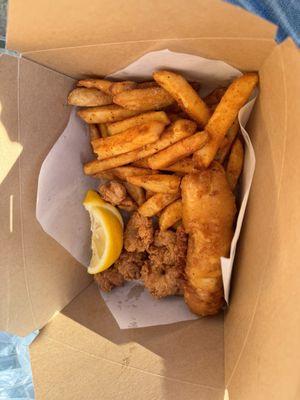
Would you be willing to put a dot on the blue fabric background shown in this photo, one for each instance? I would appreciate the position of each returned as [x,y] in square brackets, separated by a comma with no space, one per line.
[283,13]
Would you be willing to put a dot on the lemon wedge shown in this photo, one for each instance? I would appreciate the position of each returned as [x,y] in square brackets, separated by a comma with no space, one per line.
[93,199]
[107,232]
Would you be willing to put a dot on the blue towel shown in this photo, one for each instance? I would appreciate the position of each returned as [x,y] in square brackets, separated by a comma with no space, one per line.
[15,370]
[283,13]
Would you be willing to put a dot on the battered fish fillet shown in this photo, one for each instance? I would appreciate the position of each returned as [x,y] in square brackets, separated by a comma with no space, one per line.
[208,215]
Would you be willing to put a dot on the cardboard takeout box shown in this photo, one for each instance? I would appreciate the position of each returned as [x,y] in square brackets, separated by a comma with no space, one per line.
[251,353]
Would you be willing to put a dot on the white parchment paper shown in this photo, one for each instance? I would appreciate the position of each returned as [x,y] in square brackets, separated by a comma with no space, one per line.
[62,186]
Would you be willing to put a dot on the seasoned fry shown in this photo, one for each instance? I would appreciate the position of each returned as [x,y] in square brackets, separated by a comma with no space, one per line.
[187,98]
[156,183]
[235,163]
[84,97]
[185,166]
[129,140]
[145,85]
[124,172]
[141,163]
[120,126]
[136,192]
[101,84]
[94,132]
[101,115]
[119,87]
[227,141]
[104,175]
[215,96]
[170,215]
[157,203]
[153,98]
[177,131]
[178,151]
[103,130]
[226,112]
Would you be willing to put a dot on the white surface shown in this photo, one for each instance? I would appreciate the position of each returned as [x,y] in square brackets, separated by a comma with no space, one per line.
[62,186]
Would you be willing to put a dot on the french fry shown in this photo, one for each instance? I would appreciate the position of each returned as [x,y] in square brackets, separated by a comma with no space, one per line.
[236,95]
[103,130]
[94,132]
[235,163]
[156,203]
[104,175]
[177,131]
[149,194]
[156,183]
[227,141]
[119,87]
[153,98]
[185,166]
[141,163]
[170,215]
[215,96]
[187,98]
[129,140]
[180,150]
[101,84]
[120,126]
[103,114]
[145,85]
[136,192]
[124,172]
[180,128]
[88,97]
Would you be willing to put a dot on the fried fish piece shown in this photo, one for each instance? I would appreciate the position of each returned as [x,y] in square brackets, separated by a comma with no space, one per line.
[109,279]
[138,234]
[113,192]
[129,264]
[163,272]
[208,215]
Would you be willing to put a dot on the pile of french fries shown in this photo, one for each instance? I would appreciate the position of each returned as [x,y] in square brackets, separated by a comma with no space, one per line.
[150,134]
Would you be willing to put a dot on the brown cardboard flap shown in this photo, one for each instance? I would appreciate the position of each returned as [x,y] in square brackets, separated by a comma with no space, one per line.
[262,326]
[100,60]
[36,25]
[179,361]
[38,277]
